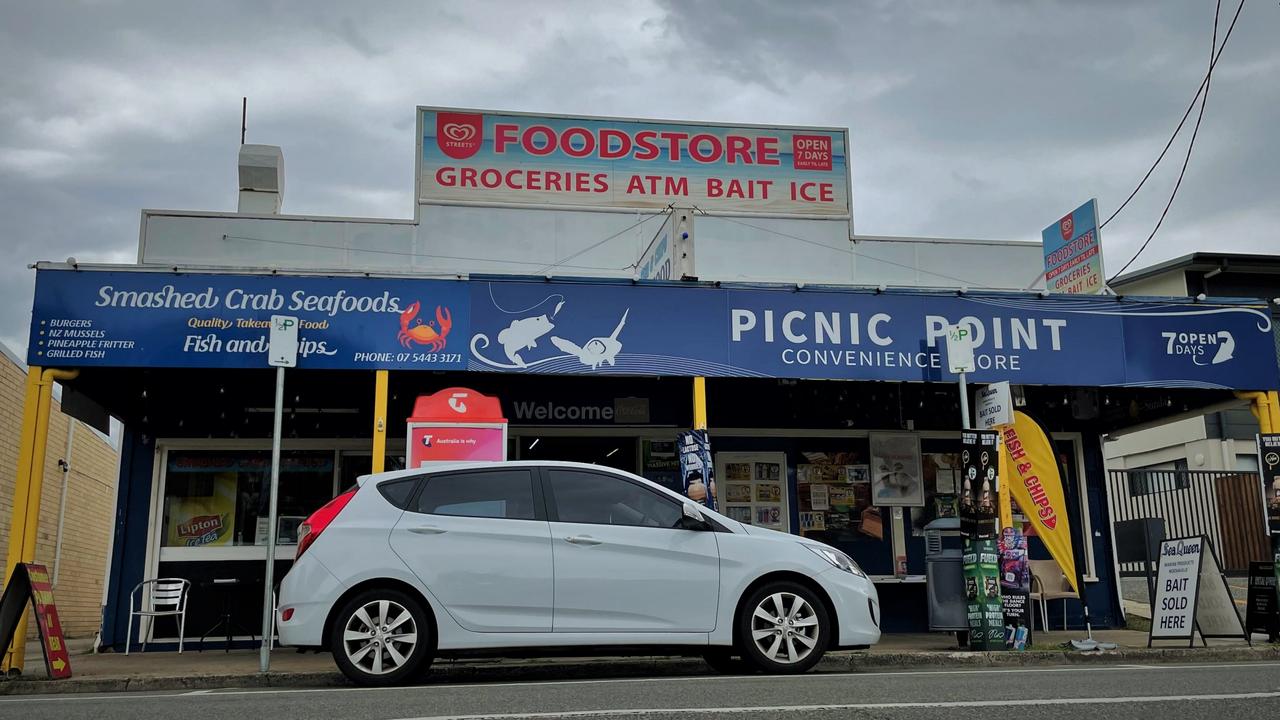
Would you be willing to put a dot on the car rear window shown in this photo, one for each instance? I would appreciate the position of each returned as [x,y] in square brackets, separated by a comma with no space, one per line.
[398,492]
[492,494]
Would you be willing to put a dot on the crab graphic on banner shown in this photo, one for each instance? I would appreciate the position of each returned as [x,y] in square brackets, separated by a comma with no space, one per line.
[434,334]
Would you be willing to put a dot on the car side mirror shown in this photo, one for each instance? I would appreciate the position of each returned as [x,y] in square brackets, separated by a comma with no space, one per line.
[692,518]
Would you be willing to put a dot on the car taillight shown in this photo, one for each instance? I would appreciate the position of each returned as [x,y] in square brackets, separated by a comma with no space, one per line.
[315,524]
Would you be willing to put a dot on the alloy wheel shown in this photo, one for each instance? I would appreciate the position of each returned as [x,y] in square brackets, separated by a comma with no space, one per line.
[380,637]
[784,627]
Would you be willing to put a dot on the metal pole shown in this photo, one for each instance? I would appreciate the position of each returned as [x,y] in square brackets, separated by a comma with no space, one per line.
[62,501]
[964,403]
[268,609]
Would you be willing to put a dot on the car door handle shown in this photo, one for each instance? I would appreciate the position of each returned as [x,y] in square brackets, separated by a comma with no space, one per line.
[427,530]
[582,540]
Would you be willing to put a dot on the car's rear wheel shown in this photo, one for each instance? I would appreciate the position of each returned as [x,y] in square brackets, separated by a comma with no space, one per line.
[784,628]
[382,637]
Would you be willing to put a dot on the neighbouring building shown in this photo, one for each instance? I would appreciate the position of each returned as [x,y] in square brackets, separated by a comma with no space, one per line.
[1224,438]
[74,539]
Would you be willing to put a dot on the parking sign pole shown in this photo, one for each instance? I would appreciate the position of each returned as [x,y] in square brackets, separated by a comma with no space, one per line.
[268,594]
[281,353]
[964,403]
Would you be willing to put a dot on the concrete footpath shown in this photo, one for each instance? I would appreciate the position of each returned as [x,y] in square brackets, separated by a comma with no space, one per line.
[192,670]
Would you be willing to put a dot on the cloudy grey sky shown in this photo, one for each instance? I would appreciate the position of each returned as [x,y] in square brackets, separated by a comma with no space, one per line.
[972,119]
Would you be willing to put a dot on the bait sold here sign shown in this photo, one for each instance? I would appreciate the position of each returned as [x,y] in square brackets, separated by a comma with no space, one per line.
[493,158]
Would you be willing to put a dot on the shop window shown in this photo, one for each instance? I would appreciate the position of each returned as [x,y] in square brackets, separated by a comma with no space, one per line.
[218,498]
[495,494]
[1166,477]
[584,497]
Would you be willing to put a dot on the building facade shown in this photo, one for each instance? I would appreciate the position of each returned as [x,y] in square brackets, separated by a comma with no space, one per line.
[588,308]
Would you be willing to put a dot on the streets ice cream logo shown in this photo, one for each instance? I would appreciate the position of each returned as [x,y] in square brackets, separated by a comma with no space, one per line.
[459,135]
[202,530]
[432,333]
[522,335]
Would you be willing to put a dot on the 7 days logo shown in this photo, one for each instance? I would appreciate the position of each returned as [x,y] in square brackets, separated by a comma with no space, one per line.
[1197,346]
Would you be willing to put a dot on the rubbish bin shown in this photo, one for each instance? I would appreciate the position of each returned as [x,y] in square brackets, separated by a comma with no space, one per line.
[944,578]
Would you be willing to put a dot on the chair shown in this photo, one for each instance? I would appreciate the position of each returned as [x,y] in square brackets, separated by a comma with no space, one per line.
[160,597]
[1048,583]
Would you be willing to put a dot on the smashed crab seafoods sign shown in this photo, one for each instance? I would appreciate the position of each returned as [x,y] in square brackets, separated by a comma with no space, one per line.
[498,158]
[181,320]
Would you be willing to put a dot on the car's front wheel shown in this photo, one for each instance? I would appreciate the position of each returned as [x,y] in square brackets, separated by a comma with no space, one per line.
[784,628]
[381,637]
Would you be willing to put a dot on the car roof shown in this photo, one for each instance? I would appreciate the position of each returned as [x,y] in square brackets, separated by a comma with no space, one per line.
[495,464]
[486,464]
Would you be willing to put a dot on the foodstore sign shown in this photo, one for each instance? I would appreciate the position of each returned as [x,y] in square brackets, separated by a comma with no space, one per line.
[490,158]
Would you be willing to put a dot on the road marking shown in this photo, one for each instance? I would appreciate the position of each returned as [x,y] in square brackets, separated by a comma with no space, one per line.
[775,709]
[126,695]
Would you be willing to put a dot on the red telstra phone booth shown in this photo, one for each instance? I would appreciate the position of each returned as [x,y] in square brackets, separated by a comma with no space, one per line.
[456,424]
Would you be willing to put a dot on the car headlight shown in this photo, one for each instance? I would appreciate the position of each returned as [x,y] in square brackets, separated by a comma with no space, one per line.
[836,558]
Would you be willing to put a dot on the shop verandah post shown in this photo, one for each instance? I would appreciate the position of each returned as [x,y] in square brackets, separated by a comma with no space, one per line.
[28,487]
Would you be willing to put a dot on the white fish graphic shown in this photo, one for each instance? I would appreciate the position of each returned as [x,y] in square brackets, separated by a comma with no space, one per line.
[597,350]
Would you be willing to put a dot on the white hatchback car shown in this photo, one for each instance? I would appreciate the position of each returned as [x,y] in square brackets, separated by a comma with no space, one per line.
[528,556]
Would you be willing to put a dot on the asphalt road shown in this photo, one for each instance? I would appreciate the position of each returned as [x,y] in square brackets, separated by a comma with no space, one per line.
[1220,692]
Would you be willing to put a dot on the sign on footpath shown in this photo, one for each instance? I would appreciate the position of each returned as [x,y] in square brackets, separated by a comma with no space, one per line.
[1262,613]
[31,582]
[1192,595]
[995,406]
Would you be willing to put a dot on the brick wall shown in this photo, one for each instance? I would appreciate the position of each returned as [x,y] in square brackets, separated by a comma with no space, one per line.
[91,484]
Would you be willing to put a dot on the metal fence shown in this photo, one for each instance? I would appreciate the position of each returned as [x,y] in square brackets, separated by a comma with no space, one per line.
[1150,505]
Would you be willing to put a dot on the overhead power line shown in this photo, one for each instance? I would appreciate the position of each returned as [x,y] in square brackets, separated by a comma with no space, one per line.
[1214,53]
[1204,83]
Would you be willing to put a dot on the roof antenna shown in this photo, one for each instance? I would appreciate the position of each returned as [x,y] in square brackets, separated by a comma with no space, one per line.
[244,111]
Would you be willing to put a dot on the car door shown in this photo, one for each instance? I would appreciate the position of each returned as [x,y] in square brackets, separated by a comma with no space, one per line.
[621,564]
[479,540]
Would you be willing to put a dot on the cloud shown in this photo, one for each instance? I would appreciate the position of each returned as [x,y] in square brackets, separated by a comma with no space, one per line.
[982,119]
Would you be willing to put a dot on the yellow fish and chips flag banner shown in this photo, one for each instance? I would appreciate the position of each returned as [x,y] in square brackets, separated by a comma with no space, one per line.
[1036,485]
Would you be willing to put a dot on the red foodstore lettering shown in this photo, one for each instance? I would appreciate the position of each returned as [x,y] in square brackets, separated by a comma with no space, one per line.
[614,144]
[1070,248]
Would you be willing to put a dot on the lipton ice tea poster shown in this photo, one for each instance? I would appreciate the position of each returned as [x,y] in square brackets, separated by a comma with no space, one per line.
[200,521]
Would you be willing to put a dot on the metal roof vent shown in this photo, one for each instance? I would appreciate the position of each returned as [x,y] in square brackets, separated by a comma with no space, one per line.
[261,169]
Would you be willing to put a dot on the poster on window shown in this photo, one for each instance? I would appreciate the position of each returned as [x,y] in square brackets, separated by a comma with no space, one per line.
[754,488]
[696,471]
[896,478]
[661,463]
[203,520]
